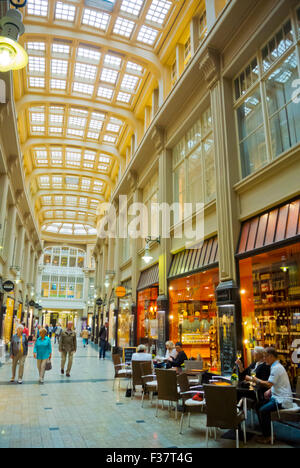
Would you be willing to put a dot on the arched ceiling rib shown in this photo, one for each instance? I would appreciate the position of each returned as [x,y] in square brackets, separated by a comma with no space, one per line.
[77,98]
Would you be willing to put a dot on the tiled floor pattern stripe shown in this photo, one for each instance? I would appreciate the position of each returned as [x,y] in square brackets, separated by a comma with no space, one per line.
[84,412]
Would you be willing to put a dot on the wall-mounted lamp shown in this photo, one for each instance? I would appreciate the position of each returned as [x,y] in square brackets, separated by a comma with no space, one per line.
[12,54]
[147,257]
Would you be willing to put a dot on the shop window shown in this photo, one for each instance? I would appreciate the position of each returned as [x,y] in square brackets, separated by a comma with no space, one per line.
[79,291]
[53,291]
[64,261]
[47,259]
[80,262]
[125,324]
[270,296]
[193,316]
[72,262]
[147,331]
[62,290]
[45,289]
[56,260]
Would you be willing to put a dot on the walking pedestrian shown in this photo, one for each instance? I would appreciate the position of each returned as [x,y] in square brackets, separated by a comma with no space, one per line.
[67,347]
[58,333]
[103,337]
[18,353]
[85,337]
[25,330]
[42,352]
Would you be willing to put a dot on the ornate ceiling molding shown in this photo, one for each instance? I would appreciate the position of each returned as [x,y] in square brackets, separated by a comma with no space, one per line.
[209,66]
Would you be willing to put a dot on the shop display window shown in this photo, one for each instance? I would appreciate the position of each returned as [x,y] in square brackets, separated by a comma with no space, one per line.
[270,296]
[193,316]
[125,324]
[147,324]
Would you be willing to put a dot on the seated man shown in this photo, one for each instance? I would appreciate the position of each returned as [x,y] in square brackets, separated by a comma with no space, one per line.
[262,372]
[278,395]
[141,354]
[180,358]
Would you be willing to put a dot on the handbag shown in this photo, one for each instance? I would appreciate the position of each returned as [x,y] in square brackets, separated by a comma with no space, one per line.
[128,392]
[48,365]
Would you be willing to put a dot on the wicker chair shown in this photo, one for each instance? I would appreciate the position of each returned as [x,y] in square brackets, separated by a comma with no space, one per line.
[121,370]
[223,411]
[148,379]
[167,388]
[186,393]
[136,377]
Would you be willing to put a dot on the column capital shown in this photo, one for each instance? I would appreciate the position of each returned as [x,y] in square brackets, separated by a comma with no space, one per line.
[132,179]
[158,137]
[209,66]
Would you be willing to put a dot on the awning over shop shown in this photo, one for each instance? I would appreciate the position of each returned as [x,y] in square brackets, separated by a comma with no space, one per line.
[274,227]
[192,260]
[148,277]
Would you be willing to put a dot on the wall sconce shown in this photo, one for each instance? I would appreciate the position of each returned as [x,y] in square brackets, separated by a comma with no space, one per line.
[147,257]
[12,55]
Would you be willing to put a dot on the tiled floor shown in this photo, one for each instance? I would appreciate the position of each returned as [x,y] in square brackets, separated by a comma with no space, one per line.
[83,411]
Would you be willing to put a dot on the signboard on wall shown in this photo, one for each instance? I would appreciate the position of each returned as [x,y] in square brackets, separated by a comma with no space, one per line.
[8,319]
[161,333]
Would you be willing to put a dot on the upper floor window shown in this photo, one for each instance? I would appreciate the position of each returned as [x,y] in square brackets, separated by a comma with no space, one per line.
[194,179]
[64,257]
[268,118]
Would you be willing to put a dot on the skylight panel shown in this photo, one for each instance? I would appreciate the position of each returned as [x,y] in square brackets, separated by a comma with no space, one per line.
[147,35]
[112,128]
[105,93]
[134,67]
[89,155]
[63,49]
[132,7]
[96,124]
[109,139]
[108,75]
[56,109]
[98,186]
[55,130]
[158,11]
[54,118]
[59,67]
[37,7]
[78,112]
[58,200]
[98,116]
[123,27]
[92,231]
[41,154]
[88,53]
[71,200]
[112,60]
[46,199]
[95,19]
[115,121]
[85,71]
[44,182]
[65,11]
[49,214]
[77,122]
[37,117]
[83,88]
[57,181]
[35,82]
[74,132]
[59,214]
[83,201]
[104,159]
[58,84]
[38,129]
[129,82]
[36,64]
[88,165]
[56,157]
[93,135]
[124,97]
[102,168]
[36,46]
[85,184]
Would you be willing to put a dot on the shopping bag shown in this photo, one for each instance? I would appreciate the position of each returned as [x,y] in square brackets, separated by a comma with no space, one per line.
[48,365]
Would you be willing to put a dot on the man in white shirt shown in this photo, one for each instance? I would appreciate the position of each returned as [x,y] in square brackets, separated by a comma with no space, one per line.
[279,393]
[141,354]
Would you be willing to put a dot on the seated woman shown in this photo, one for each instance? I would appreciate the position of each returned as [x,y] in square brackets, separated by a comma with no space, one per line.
[180,358]
[141,354]
[259,366]
[170,350]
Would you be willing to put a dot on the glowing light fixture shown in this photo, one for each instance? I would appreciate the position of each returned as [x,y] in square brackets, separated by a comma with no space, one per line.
[12,54]
[147,257]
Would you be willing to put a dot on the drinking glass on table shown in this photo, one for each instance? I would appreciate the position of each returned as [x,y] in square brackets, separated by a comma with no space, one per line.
[253,374]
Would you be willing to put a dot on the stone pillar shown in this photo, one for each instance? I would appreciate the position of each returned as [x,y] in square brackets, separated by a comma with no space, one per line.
[10,237]
[228,226]
[20,247]
[213,9]
[3,205]
[194,34]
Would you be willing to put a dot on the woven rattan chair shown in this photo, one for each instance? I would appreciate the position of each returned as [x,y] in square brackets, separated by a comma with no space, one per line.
[167,388]
[121,370]
[136,377]
[223,411]
[189,405]
[148,379]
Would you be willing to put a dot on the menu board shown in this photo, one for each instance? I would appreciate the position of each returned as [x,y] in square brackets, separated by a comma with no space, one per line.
[161,341]
[227,339]
[127,354]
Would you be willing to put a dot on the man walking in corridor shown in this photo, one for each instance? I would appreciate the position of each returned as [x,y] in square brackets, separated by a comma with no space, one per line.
[67,347]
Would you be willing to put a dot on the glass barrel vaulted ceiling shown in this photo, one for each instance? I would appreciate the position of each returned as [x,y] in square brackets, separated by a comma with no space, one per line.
[91,63]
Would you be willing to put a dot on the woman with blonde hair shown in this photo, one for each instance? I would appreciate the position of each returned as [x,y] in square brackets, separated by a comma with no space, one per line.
[170,350]
[42,352]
